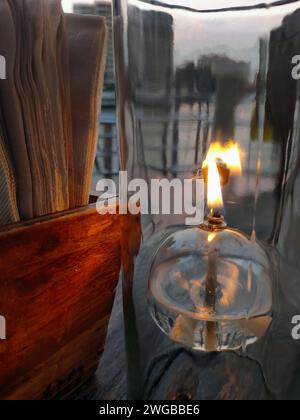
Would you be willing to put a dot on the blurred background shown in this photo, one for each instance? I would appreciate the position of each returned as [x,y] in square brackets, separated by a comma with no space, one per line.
[180,81]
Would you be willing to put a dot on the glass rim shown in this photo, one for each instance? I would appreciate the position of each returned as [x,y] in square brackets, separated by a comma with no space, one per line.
[213,6]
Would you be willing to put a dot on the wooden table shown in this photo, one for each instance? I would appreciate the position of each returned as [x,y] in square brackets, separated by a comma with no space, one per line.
[220,377]
[215,376]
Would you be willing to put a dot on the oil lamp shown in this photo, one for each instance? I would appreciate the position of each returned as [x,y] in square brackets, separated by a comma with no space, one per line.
[191,73]
[210,286]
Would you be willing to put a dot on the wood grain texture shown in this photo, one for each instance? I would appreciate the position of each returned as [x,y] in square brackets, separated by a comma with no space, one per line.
[58,278]
[110,380]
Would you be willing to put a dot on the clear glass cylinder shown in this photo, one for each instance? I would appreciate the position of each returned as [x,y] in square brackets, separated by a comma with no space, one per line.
[192,74]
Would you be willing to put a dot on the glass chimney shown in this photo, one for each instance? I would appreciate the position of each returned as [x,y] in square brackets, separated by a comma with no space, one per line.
[208,98]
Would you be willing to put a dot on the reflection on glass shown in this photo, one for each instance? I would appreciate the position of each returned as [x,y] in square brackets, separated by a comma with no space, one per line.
[190,74]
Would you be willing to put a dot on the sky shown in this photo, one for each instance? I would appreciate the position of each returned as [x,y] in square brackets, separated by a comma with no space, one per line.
[217,33]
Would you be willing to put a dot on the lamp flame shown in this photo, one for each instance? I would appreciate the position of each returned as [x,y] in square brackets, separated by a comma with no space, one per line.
[229,153]
[214,191]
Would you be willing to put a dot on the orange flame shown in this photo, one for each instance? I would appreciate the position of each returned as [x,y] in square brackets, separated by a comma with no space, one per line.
[229,153]
[214,191]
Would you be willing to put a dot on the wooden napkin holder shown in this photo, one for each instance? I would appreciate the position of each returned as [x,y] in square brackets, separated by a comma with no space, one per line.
[58,277]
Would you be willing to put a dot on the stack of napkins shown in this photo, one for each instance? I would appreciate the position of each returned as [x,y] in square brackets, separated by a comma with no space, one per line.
[50,104]
[8,208]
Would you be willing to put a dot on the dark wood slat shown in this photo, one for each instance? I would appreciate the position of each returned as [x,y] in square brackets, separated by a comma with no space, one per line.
[58,277]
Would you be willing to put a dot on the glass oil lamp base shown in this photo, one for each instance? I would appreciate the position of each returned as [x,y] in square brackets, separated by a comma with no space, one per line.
[210,290]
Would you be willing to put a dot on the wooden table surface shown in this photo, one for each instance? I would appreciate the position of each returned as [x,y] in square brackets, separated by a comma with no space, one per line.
[215,376]
[220,375]
[211,376]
